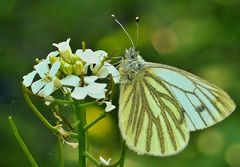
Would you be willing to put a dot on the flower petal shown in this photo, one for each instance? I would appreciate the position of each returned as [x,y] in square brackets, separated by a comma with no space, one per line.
[112,70]
[54,69]
[42,68]
[97,95]
[90,79]
[96,87]
[96,90]
[28,79]
[109,106]
[55,53]
[95,68]
[79,93]
[87,56]
[71,80]
[101,53]
[63,46]
[48,88]
[37,85]
[102,72]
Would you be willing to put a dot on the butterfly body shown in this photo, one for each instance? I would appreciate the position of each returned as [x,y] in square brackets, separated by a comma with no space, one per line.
[131,66]
[159,105]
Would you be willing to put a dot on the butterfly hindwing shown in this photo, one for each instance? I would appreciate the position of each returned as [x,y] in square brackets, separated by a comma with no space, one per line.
[150,118]
[203,104]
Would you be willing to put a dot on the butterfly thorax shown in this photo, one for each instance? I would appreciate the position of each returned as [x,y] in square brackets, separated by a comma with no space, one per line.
[131,65]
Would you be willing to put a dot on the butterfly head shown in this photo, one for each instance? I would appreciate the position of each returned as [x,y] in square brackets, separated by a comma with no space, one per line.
[131,54]
[131,65]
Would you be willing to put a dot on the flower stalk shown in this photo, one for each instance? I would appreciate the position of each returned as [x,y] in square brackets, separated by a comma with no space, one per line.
[60,151]
[82,138]
[35,110]
[21,142]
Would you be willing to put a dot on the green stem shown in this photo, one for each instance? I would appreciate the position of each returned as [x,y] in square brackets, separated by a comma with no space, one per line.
[60,151]
[35,110]
[122,159]
[82,139]
[93,159]
[101,116]
[88,104]
[62,102]
[21,142]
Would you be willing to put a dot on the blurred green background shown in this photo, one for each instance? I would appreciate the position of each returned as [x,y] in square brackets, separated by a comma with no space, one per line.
[202,37]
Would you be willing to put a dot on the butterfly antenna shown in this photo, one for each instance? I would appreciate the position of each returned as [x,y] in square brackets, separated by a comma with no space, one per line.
[115,18]
[137,21]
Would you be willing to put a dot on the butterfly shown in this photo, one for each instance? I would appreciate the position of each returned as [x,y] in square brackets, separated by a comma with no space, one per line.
[160,105]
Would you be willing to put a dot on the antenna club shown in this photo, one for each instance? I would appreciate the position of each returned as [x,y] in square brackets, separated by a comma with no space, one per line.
[137,19]
[113,16]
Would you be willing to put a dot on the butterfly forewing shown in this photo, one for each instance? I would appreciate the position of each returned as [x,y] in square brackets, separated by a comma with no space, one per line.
[150,118]
[203,104]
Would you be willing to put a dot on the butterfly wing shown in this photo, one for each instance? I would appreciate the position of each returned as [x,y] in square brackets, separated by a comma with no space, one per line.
[150,118]
[203,104]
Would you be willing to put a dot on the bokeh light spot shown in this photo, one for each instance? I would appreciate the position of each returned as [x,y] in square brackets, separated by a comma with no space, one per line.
[164,40]
[233,155]
[210,142]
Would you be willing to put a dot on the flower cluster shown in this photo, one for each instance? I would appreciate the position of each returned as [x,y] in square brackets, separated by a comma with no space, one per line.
[78,73]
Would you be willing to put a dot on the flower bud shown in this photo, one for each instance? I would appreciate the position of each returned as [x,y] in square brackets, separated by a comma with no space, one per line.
[66,56]
[67,69]
[37,60]
[78,68]
[57,83]
[53,59]
[62,64]
[59,74]
[74,59]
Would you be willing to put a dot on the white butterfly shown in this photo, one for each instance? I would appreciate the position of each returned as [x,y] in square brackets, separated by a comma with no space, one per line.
[160,105]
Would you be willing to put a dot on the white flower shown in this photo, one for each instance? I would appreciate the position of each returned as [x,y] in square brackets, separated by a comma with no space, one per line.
[28,79]
[109,106]
[46,83]
[63,46]
[91,88]
[91,57]
[107,69]
[105,162]
[65,50]
[94,59]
